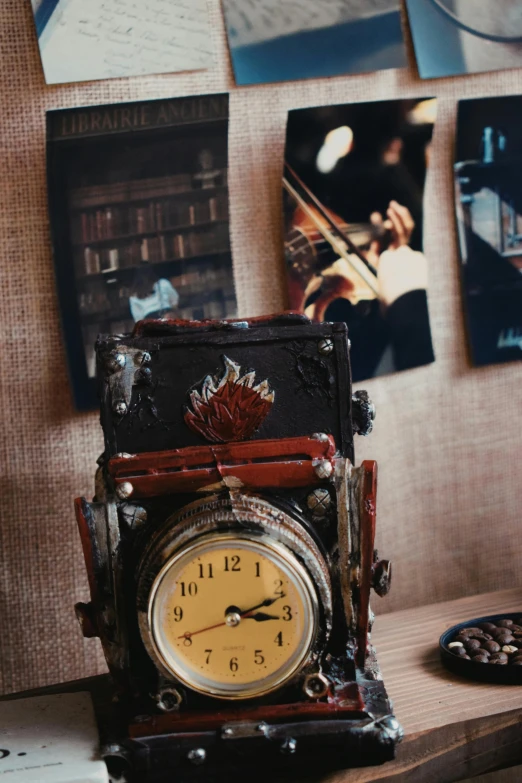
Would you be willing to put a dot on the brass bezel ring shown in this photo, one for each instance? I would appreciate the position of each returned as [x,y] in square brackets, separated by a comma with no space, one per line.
[258,522]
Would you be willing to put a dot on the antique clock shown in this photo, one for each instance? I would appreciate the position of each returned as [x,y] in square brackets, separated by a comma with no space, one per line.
[230,552]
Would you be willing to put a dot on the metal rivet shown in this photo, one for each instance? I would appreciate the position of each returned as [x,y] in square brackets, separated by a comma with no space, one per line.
[289,745]
[197,755]
[316,686]
[391,723]
[228,732]
[124,490]
[323,469]
[141,718]
[319,502]
[325,346]
[120,408]
[115,361]
[322,437]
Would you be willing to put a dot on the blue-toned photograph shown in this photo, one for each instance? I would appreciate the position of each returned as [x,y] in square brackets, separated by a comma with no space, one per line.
[284,40]
[453,37]
[488,193]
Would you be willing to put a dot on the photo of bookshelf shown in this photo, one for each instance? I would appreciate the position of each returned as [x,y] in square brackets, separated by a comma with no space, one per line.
[140,219]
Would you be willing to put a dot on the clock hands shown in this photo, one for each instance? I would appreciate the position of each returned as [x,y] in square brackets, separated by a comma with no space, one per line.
[266,602]
[235,615]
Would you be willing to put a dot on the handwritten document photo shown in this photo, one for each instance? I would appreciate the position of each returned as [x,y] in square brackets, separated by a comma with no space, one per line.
[104,39]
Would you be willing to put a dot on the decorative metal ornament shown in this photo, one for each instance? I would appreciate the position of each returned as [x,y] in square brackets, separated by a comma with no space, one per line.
[229,408]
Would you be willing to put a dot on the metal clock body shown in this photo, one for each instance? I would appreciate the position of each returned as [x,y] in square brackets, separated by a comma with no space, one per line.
[230,552]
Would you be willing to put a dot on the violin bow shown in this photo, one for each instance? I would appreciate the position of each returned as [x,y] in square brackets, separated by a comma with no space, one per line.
[334,235]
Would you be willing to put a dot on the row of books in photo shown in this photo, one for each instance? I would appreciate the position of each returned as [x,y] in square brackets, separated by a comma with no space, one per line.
[112,222]
[164,247]
[147,188]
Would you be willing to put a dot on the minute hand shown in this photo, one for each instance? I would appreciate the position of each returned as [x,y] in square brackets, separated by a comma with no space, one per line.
[266,602]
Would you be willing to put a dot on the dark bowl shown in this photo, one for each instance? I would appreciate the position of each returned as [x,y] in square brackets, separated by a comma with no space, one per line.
[485,672]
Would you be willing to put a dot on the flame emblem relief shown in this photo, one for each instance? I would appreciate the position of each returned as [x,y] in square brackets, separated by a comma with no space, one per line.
[229,408]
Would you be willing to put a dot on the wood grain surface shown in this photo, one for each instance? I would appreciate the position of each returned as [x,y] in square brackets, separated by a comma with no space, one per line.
[454,728]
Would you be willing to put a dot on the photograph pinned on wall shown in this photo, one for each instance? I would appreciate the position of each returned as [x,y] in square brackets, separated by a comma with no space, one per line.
[353,187]
[83,40]
[138,197]
[284,40]
[453,37]
[488,199]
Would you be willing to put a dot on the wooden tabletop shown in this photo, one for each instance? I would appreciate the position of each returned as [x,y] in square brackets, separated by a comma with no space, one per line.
[454,728]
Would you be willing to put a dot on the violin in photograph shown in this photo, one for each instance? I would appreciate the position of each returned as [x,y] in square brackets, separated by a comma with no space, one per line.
[230,553]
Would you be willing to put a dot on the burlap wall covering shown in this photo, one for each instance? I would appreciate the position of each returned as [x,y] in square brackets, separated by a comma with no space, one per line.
[448,437]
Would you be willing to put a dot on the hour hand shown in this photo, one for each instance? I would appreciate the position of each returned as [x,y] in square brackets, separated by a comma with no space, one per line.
[260,617]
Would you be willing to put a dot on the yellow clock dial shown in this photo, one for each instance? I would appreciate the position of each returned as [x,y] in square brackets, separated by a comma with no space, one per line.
[233,617]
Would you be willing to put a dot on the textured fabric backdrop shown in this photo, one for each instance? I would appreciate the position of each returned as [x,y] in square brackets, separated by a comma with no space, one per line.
[447,436]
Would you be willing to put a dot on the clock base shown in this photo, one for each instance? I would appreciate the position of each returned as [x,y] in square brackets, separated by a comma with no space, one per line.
[355,729]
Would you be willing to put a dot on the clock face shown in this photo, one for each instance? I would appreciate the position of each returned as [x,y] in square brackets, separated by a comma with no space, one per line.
[233,616]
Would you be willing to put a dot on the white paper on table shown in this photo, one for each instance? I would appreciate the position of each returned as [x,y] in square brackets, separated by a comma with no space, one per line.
[50,739]
[257,21]
[86,40]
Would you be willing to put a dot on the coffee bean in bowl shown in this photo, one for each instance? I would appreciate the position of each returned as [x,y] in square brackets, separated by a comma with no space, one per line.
[486,648]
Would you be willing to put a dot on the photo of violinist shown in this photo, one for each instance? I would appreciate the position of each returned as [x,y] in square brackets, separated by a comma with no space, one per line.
[353,187]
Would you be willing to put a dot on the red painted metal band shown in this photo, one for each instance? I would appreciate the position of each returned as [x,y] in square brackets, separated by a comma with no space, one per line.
[367,518]
[289,462]
[352,703]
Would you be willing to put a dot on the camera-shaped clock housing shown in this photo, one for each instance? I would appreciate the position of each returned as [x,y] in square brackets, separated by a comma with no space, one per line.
[230,548]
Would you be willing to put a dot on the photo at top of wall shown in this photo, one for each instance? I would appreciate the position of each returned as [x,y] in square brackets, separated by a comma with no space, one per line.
[283,40]
[84,40]
[453,37]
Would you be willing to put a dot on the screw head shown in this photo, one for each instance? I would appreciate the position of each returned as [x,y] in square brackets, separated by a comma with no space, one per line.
[319,502]
[289,745]
[197,755]
[120,408]
[325,346]
[228,731]
[323,469]
[168,700]
[146,357]
[124,490]
[316,686]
